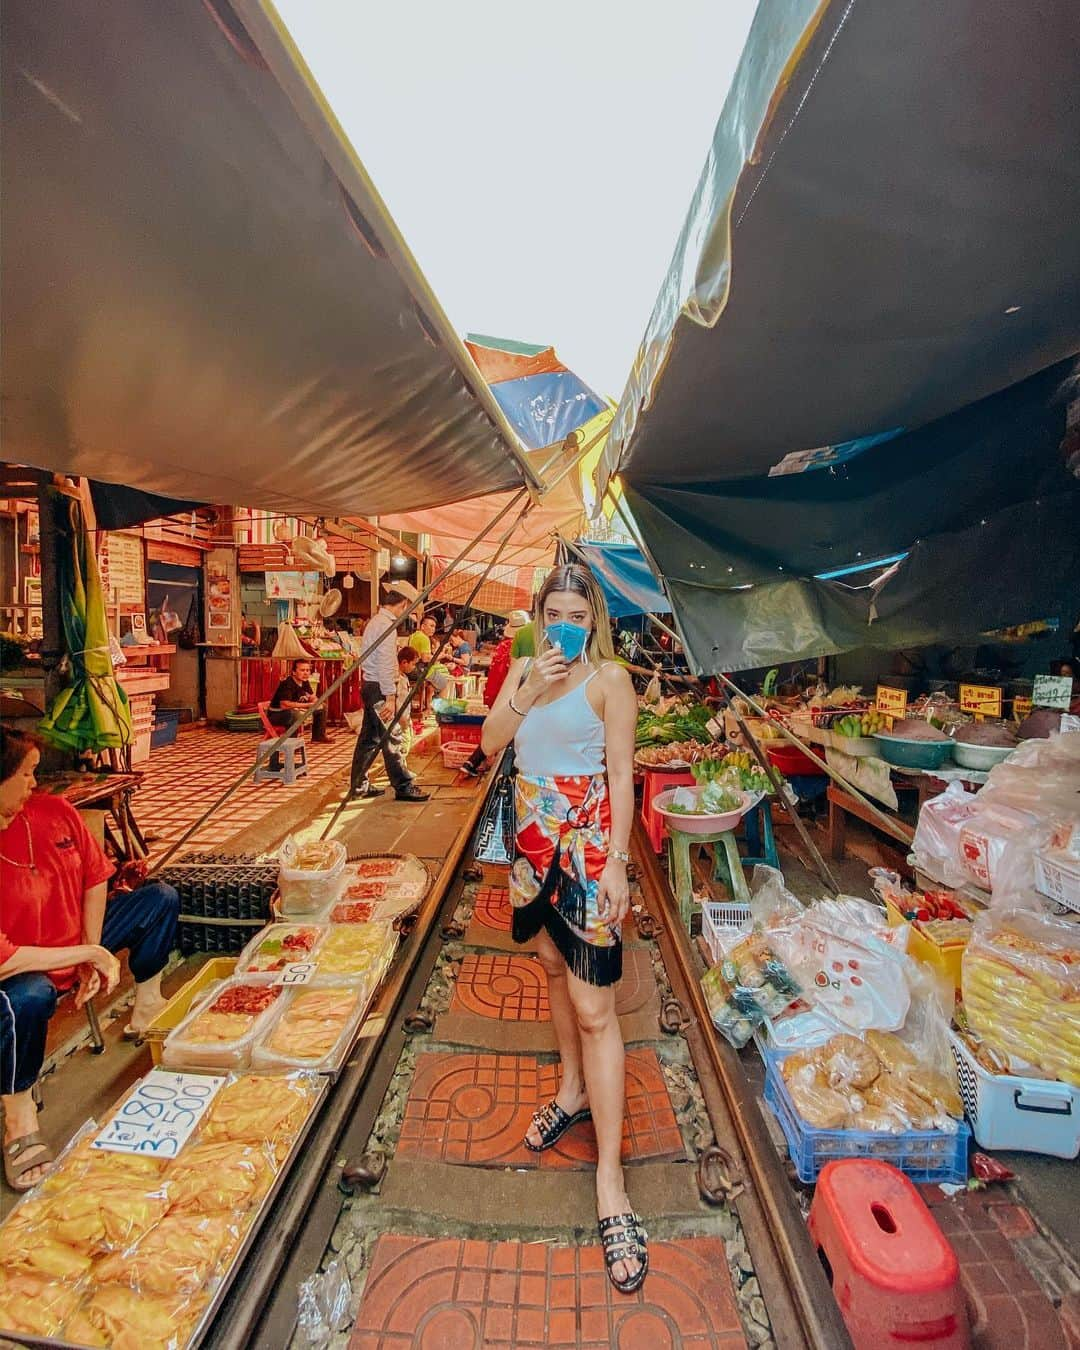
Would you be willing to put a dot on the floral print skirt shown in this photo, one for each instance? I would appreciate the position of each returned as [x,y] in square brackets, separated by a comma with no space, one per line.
[563,825]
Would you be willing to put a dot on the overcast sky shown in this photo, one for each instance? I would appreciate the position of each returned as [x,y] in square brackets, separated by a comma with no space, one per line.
[538,159]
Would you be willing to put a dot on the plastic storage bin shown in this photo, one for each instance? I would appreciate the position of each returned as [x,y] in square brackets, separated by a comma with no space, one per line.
[178,1007]
[1007,1111]
[266,1057]
[457,753]
[183,1049]
[947,959]
[460,732]
[922,1155]
[276,933]
[719,915]
[1057,875]
[789,760]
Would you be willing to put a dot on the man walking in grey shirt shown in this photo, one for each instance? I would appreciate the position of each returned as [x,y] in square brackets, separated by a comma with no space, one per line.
[380,672]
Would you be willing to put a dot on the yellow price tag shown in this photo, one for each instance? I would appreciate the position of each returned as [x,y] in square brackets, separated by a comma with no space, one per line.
[891,702]
[1021,708]
[984,700]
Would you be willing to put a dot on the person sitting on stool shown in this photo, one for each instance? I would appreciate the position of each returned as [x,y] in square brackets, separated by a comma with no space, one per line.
[57,932]
[293,694]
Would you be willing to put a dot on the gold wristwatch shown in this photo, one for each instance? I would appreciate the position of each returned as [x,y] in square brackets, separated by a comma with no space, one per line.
[619,854]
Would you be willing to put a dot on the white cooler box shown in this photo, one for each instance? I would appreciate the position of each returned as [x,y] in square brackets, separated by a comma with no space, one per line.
[1030,1115]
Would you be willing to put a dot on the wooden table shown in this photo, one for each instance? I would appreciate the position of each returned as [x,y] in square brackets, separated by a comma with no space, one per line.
[111,792]
[842,804]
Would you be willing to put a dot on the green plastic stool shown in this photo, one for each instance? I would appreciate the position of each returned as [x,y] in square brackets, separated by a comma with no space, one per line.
[679,844]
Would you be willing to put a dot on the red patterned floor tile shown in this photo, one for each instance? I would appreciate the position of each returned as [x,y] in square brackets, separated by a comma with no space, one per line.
[686,1302]
[514,988]
[510,988]
[474,1109]
[492,908]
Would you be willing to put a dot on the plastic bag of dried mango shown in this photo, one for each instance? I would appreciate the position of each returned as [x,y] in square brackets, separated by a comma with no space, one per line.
[1020,983]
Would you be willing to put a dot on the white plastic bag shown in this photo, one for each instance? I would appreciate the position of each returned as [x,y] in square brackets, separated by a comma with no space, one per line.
[936,847]
[842,954]
[305,889]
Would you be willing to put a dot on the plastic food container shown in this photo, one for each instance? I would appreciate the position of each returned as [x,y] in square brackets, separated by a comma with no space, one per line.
[1007,1111]
[904,753]
[923,1155]
[184,1050]
[306,891]
[355,953]
[297,1003]
[259,961]
[946,958]
[178,1007]
[981,757]
[694,824]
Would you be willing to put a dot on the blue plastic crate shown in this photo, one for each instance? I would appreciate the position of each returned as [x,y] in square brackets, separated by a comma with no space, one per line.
[460,719]
[922,1155]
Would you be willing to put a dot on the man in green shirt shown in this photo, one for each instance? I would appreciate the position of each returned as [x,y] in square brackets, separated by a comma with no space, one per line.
[420,641]
[524,642]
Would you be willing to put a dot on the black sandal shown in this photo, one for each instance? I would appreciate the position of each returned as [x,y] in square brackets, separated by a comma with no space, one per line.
[624,1239]
[553,1122]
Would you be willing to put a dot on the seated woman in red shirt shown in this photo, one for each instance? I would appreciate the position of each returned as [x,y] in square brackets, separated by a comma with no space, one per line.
[57,933]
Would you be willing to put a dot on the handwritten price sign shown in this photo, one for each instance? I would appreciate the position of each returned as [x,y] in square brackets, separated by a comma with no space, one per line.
[984,700]
[891,702]
[1021,708]
[160,1114]
[297,972]
[1053,691]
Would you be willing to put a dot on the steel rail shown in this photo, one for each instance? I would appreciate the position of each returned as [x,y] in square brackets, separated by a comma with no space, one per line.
[259,1296]
[794,1287]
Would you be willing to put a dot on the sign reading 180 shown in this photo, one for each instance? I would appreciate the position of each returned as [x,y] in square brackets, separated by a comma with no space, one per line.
[159,1113]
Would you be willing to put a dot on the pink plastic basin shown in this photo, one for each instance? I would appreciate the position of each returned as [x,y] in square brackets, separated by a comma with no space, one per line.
[678,820]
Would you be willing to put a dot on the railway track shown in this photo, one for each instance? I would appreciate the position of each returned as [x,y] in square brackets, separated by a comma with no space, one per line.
[739,1175]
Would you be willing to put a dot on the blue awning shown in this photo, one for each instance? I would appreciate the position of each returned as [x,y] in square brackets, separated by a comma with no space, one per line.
[626,579]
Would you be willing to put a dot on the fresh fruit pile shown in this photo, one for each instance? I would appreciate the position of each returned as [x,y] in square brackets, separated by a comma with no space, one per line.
[737,769]
[861,724]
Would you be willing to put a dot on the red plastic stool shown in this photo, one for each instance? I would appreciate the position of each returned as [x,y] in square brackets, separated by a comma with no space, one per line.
[894,1275]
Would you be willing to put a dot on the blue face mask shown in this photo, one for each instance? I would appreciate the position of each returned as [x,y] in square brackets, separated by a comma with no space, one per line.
[570,637]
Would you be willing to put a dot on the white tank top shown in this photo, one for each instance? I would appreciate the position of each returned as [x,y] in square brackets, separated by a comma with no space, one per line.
[564,739]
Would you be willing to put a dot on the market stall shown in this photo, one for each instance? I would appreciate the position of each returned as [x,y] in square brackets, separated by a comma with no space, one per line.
[139,1231]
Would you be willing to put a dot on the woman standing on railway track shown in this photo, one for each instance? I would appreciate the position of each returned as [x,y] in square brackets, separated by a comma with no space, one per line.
[571,713]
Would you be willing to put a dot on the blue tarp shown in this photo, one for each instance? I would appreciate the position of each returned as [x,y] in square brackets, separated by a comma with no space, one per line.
[626,578]
[545,409]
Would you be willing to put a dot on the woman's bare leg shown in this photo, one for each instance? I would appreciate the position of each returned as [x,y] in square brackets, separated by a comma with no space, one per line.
[571,1095]
[604,1061]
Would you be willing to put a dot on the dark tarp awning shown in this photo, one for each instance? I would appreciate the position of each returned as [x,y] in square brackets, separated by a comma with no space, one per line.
[203,295]
[881,265]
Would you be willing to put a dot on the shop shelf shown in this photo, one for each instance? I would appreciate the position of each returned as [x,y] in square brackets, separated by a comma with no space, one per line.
[1007,1111]
[923,1155]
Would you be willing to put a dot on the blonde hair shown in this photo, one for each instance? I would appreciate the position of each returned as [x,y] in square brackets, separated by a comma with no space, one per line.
[579,579]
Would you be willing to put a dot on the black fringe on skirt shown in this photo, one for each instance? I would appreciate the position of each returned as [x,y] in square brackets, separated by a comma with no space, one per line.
[600,966]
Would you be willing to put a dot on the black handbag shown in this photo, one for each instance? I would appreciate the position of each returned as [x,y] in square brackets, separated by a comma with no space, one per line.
[493,842]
